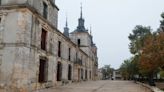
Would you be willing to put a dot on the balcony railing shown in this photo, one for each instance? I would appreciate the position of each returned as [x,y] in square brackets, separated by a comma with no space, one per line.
[78,61]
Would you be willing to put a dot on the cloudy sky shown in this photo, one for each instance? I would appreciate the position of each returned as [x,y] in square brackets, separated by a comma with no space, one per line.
[111,21]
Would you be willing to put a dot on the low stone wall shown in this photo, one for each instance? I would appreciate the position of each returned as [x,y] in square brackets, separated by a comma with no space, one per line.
[154,89]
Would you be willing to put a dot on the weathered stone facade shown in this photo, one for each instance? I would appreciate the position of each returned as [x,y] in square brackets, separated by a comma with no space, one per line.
[34,54]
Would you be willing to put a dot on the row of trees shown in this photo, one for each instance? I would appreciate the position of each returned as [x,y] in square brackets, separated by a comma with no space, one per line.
[147,48]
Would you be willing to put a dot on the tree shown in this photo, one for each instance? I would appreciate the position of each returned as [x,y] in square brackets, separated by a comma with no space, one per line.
[107,71]
[124,69]
[137,38]
[148,51]
[129,68]
[152,57]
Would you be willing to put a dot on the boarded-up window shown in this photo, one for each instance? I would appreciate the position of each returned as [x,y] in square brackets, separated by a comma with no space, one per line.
[43,39]
[43,71]
[45,10]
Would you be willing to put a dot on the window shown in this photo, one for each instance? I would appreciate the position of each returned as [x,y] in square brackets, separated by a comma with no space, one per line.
[43,71]
[76,56]
[43,39]
[86,74]
[90,75]
[45,10]
[82,74]
[59,49]
[1,19]
[78,42]
[69,54]
[0,2]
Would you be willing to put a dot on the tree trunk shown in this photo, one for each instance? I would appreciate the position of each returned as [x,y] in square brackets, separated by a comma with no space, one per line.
[151,80]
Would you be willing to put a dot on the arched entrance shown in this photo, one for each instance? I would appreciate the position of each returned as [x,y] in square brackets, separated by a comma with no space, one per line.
[69,72]
[59,71]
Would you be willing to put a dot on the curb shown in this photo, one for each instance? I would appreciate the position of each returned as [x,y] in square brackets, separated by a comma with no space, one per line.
[154,89]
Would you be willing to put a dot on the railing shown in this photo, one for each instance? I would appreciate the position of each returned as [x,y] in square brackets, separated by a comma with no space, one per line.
[78,61]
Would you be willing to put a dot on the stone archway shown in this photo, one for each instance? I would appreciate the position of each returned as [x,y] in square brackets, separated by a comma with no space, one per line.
[59,71]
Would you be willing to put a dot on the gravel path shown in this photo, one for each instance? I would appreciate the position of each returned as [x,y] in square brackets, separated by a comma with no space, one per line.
[100,86]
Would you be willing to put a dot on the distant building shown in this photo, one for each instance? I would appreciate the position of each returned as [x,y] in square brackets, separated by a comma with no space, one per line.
[116,75]
[34,54]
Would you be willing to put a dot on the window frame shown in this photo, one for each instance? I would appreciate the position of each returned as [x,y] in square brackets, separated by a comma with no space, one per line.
[59,48]
[43,70]
[44,39]
[78,42]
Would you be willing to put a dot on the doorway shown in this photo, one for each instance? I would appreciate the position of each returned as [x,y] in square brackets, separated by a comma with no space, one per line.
[43,71]
[59,71]
[69,72]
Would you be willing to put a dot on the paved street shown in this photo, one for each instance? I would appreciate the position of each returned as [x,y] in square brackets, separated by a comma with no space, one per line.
[100,86]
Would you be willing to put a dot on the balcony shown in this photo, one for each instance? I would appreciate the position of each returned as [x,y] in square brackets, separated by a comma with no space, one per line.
[78,61]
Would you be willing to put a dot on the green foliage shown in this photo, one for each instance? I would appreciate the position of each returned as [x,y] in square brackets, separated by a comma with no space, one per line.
[162,74]
[148,50]
[129,68]
[137,38]
[107,71]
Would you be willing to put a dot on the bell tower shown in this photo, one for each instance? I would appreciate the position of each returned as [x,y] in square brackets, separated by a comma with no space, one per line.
[80,35]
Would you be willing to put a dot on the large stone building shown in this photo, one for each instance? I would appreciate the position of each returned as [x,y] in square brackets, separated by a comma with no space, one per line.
[34,54]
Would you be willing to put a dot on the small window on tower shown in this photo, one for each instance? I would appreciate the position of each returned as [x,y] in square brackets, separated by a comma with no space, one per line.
[78,42]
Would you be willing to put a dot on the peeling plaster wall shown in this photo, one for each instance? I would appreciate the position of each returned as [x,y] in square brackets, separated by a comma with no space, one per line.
[20,49]
[20,52]
[38,5]
[52,11]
